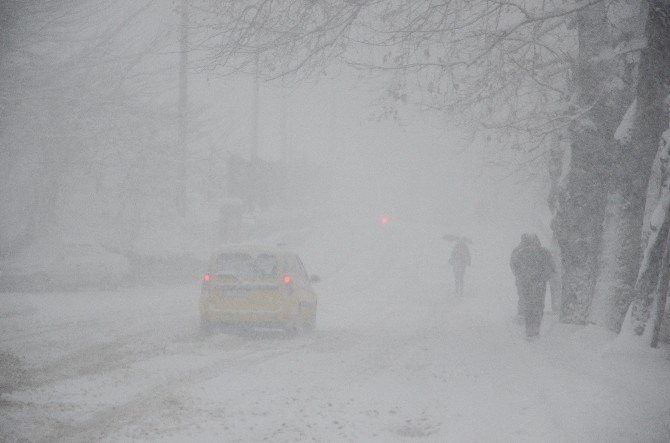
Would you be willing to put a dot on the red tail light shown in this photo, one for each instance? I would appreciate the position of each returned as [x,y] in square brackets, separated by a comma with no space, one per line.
[207,278]
[385,220]
[288,287]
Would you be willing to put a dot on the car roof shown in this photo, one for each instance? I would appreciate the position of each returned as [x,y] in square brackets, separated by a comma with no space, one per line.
[253,249]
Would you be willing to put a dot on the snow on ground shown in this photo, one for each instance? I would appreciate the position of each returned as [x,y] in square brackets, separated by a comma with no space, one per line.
[396,356]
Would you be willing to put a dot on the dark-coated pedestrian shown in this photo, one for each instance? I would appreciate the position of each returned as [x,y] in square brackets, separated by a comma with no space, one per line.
[532,266]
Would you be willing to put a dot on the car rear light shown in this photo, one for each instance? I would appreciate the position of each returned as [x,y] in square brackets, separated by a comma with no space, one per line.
[385,220]
[288,287]
[205,283]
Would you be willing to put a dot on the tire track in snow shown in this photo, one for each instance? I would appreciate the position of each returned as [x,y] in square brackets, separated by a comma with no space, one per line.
[114,418]
[40,331]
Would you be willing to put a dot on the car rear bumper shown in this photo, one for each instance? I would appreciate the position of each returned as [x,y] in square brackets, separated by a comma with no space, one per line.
[281,317]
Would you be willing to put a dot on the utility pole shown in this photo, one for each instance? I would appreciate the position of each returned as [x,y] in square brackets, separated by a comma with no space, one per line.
[254,135]
[334,135]
[283,153]
[182,112]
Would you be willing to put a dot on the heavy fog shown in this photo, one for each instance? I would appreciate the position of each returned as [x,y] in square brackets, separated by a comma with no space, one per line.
[334,220]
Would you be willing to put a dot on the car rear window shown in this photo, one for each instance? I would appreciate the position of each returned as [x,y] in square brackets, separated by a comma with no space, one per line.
[248,267]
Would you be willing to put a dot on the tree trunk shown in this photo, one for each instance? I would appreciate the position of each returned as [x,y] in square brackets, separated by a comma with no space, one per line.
[618,264]
[661,294]
[581,202]
[652,282]
[620,249]
[651,119]
[577,226]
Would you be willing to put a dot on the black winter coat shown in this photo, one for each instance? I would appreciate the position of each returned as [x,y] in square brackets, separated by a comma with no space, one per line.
[531,263]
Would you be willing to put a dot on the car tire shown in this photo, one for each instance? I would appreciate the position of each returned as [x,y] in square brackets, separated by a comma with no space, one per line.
[297,327]
[310,326]
[206,327]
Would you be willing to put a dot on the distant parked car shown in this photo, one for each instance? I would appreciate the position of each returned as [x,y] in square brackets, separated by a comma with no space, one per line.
[257,286]
[63,266]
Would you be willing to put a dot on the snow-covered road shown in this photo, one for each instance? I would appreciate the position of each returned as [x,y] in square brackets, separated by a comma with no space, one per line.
[396,356]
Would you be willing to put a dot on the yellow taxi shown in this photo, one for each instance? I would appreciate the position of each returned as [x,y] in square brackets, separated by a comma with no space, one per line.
[257,286]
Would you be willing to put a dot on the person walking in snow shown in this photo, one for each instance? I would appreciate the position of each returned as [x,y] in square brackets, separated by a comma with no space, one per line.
[459,260]
[532,266]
